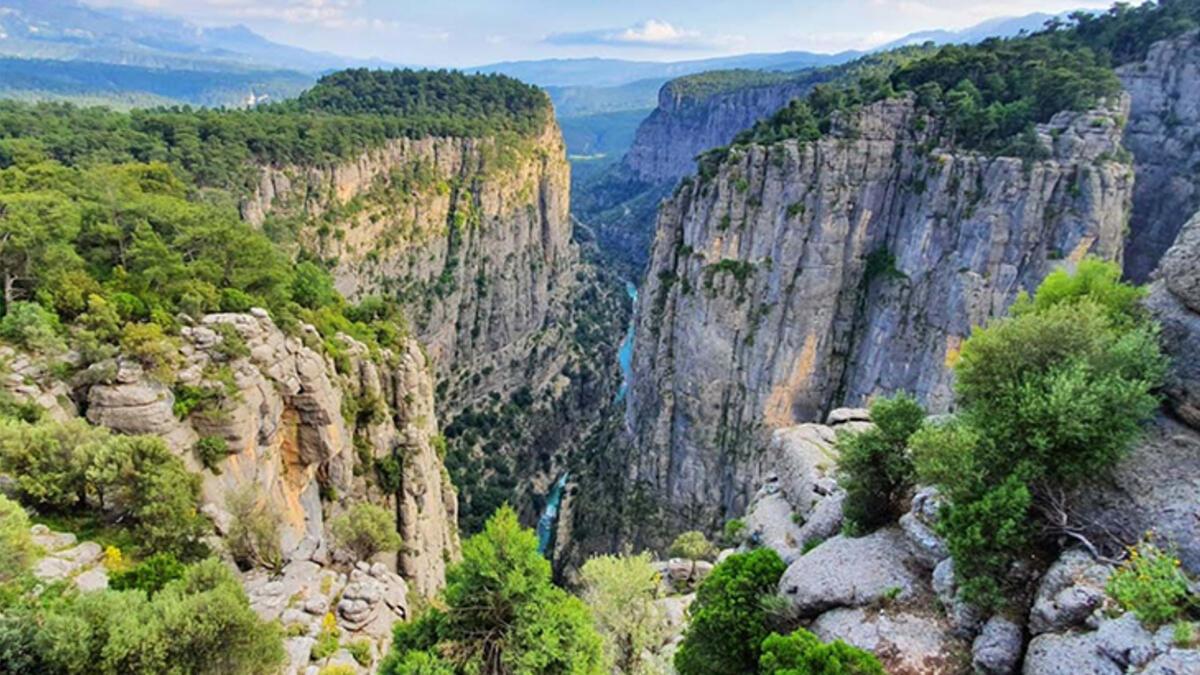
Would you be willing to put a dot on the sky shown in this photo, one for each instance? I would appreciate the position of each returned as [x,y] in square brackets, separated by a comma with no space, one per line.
[474,32]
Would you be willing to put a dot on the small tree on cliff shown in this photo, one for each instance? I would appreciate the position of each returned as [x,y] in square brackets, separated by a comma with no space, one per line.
[366,529]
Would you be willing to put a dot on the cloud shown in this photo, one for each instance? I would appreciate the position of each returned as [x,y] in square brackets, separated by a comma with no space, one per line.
[653,33]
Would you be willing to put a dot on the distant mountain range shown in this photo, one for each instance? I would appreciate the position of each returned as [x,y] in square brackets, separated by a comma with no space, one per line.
[139,57]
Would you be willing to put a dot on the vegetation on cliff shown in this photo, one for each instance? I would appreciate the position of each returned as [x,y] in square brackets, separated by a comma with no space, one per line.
[502,614]
[988,96]
[1048,398]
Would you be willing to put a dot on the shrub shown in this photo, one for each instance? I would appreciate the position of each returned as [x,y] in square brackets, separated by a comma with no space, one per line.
[253,537]
[200,623]
[150,575]
[691,546]
[620,591]
[16,545]
[328,639]
[502,614]
[338,669]
[133,480]
[874,466]
[366,529]
[211,451]
[728,619]
[1049,397]
[361,651]
[1151,585]
[232,345]
[33,327]
[734,531]
[158,353]
[802,653]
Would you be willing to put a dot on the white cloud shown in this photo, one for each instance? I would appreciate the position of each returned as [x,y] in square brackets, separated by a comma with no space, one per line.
[652,33]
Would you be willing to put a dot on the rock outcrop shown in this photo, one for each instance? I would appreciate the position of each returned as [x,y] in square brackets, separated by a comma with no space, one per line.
[472,233]
[280,406]
[802,277]
[1162,134]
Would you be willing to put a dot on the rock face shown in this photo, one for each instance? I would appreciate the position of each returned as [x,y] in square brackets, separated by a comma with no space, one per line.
[1164,124]
[621,203]
[281,414]
[474,234]
[801,277]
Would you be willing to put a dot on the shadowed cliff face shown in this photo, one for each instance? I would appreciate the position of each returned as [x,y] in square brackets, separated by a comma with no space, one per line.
[1163,134]
[803,277]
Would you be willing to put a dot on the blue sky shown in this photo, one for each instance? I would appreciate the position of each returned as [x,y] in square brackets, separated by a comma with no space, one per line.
[472,32]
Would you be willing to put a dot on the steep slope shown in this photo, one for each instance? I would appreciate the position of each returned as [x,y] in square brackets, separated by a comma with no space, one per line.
[803,276]
[1162,134]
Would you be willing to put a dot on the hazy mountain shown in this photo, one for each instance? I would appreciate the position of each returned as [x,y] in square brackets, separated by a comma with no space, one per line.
[999,27]
[69,30]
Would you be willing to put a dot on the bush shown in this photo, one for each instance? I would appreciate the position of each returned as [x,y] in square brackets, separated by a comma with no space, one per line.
[1049,397]
[158,353]
[620,591]
[33,327]
[361,651]
[211,451]
[874,466]
[1151,585]
[253,537]
[802,653]
[728,619]
[200,623]
[328,639]
[366,529]
[71,467]
[734,531]
[150,575]
[16,544]
[692,546]
[502,614]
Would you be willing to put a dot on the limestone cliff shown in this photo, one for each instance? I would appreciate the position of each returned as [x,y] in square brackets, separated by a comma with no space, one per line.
[303,438]
[473,234]
[801,277]
[1163,134]
[474,237]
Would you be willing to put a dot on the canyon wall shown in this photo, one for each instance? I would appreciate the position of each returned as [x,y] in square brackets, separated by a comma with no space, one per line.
[1163,133]
[806,276]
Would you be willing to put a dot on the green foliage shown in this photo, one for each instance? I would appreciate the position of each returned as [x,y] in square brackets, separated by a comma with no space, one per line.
[874,466]
[802,653]
[199,623]
[502,614]
[16,544]
[157,352]
[366,529]
[692,545]
[728,619]
[135,480]
[211,451]
[253,537]
[734,531]
[150,575]
[328,639]
[1151,584]
[1048,397]
[361,651]
[621,591]
[31,326]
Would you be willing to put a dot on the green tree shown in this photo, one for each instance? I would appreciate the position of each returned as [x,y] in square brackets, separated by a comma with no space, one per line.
[149,575]
[874,466]
[1048,397]
[503,615]
[16,545]
[366,529]
[802,653]
[33,327]
[620,591]
[728,619]
[253,537]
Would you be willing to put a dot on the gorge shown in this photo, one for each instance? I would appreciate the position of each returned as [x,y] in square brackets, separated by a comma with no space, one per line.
[364,377]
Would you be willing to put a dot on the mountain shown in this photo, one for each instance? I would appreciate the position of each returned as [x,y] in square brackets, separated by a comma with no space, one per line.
[70,30]
[998,27]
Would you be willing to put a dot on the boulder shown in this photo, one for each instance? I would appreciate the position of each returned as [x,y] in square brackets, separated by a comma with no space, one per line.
[299,651]
[918,525]
[904,642]
[1126,642]
[851,572]
[67,563]
[1069,592]
[997,648]
[1067,654]
[50,541]
[1175,662]
[94,579]
[844,415]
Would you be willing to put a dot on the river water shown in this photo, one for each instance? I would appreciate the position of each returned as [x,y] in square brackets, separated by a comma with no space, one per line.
[549,520]
[625,355]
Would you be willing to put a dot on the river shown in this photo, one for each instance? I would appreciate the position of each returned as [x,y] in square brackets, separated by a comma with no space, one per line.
[625,355]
